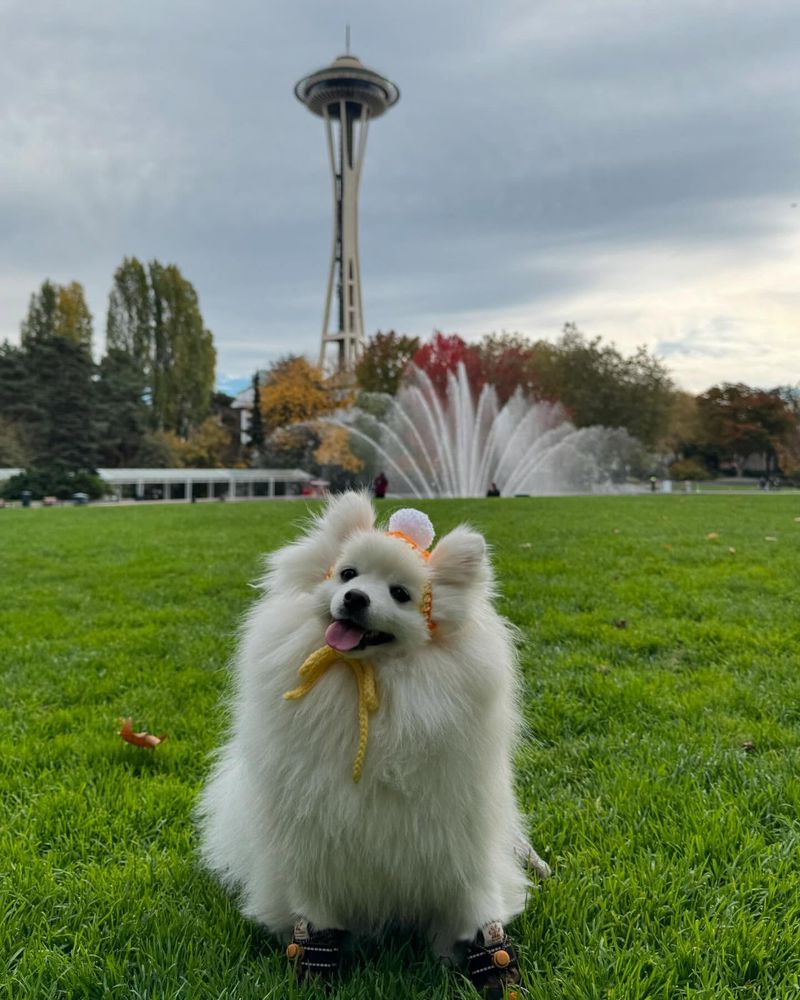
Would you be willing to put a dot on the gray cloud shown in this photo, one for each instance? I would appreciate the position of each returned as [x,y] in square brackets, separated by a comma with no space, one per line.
[535,148]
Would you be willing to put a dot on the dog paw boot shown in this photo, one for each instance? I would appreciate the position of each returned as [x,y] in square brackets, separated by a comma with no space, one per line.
[492,964]
[315,954]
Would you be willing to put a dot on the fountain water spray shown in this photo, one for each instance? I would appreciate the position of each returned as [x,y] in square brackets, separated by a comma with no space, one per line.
[456,447]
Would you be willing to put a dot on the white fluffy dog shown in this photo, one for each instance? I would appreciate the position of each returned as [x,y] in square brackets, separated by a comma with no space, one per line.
[380,791]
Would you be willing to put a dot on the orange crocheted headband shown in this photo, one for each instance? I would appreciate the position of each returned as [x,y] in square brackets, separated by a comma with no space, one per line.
[415,529]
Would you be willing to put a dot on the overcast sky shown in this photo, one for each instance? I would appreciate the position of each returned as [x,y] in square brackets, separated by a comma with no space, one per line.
[629,165]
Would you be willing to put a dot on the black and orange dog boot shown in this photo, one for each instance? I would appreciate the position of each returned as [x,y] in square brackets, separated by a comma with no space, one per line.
[315,954]
[492,964]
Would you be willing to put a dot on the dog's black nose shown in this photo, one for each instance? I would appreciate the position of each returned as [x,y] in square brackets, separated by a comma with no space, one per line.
[356,600]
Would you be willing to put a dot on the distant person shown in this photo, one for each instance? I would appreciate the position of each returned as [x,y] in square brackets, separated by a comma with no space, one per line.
[380,486]
[653,484]
[493,491]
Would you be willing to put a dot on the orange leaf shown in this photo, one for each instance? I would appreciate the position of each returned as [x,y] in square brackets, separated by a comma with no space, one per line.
[143,739]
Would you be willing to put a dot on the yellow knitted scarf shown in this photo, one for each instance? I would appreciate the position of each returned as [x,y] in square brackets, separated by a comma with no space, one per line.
[316,665]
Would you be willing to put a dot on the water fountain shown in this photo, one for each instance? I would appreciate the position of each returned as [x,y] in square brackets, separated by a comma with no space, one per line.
[431,447]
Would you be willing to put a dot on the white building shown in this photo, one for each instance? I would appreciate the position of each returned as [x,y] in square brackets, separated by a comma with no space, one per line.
[243,402]
[202,484]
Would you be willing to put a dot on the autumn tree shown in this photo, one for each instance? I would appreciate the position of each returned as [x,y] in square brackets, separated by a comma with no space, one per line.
[737,421]
[442,355]
[293,392]
[230,454]
[334,451]
[73,319]
[295,398]
[384,360]
[595,382]
[204,447]
[787,448]
[509,361]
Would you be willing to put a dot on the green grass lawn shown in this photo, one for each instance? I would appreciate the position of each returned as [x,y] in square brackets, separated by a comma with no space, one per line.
[659,771]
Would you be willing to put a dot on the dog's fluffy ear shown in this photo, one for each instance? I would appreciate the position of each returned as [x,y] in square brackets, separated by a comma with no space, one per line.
[304,563]
[346,514]
[460,559]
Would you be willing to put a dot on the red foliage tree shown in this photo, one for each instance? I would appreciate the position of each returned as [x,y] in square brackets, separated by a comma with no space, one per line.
[509,362]
[442,354]
[738,421]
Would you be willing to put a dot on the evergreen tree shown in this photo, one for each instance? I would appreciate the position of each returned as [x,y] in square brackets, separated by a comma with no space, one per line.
[256,419]
[53,399]
[121,413]
[65,437]
[15,384]
[42,318]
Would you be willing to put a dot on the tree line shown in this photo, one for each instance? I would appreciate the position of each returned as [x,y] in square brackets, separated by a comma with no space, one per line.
[148,399]
[687,436]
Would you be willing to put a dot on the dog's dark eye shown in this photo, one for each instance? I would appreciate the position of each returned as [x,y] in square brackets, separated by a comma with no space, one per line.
[348,573]
[400,594]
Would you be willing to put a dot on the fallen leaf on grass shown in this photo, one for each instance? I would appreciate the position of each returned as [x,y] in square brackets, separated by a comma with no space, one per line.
[732,550]
[748,746]
[712,535]
[621,623]
[770,538]
[797,519]
[143,739]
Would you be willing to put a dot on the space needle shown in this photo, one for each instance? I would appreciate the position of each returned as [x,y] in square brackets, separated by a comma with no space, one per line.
[346,95]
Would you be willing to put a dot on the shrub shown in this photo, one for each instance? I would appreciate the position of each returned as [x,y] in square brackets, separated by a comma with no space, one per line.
[55,482]
[688,468]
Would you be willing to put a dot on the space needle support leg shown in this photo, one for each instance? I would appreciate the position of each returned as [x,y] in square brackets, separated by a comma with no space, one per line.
[336,237]
[356,345]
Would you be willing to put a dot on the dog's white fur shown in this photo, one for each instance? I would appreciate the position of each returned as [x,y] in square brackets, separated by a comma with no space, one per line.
[431,835]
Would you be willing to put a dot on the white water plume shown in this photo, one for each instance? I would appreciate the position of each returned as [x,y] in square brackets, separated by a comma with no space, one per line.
[459,447]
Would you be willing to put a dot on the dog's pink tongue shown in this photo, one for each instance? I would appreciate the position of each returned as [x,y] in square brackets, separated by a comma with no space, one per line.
[343,636]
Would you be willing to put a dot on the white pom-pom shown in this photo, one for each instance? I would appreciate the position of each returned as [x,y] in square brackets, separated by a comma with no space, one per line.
[413,523]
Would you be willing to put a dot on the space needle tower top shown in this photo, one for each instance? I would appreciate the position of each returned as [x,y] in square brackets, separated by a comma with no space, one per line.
[346,95]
